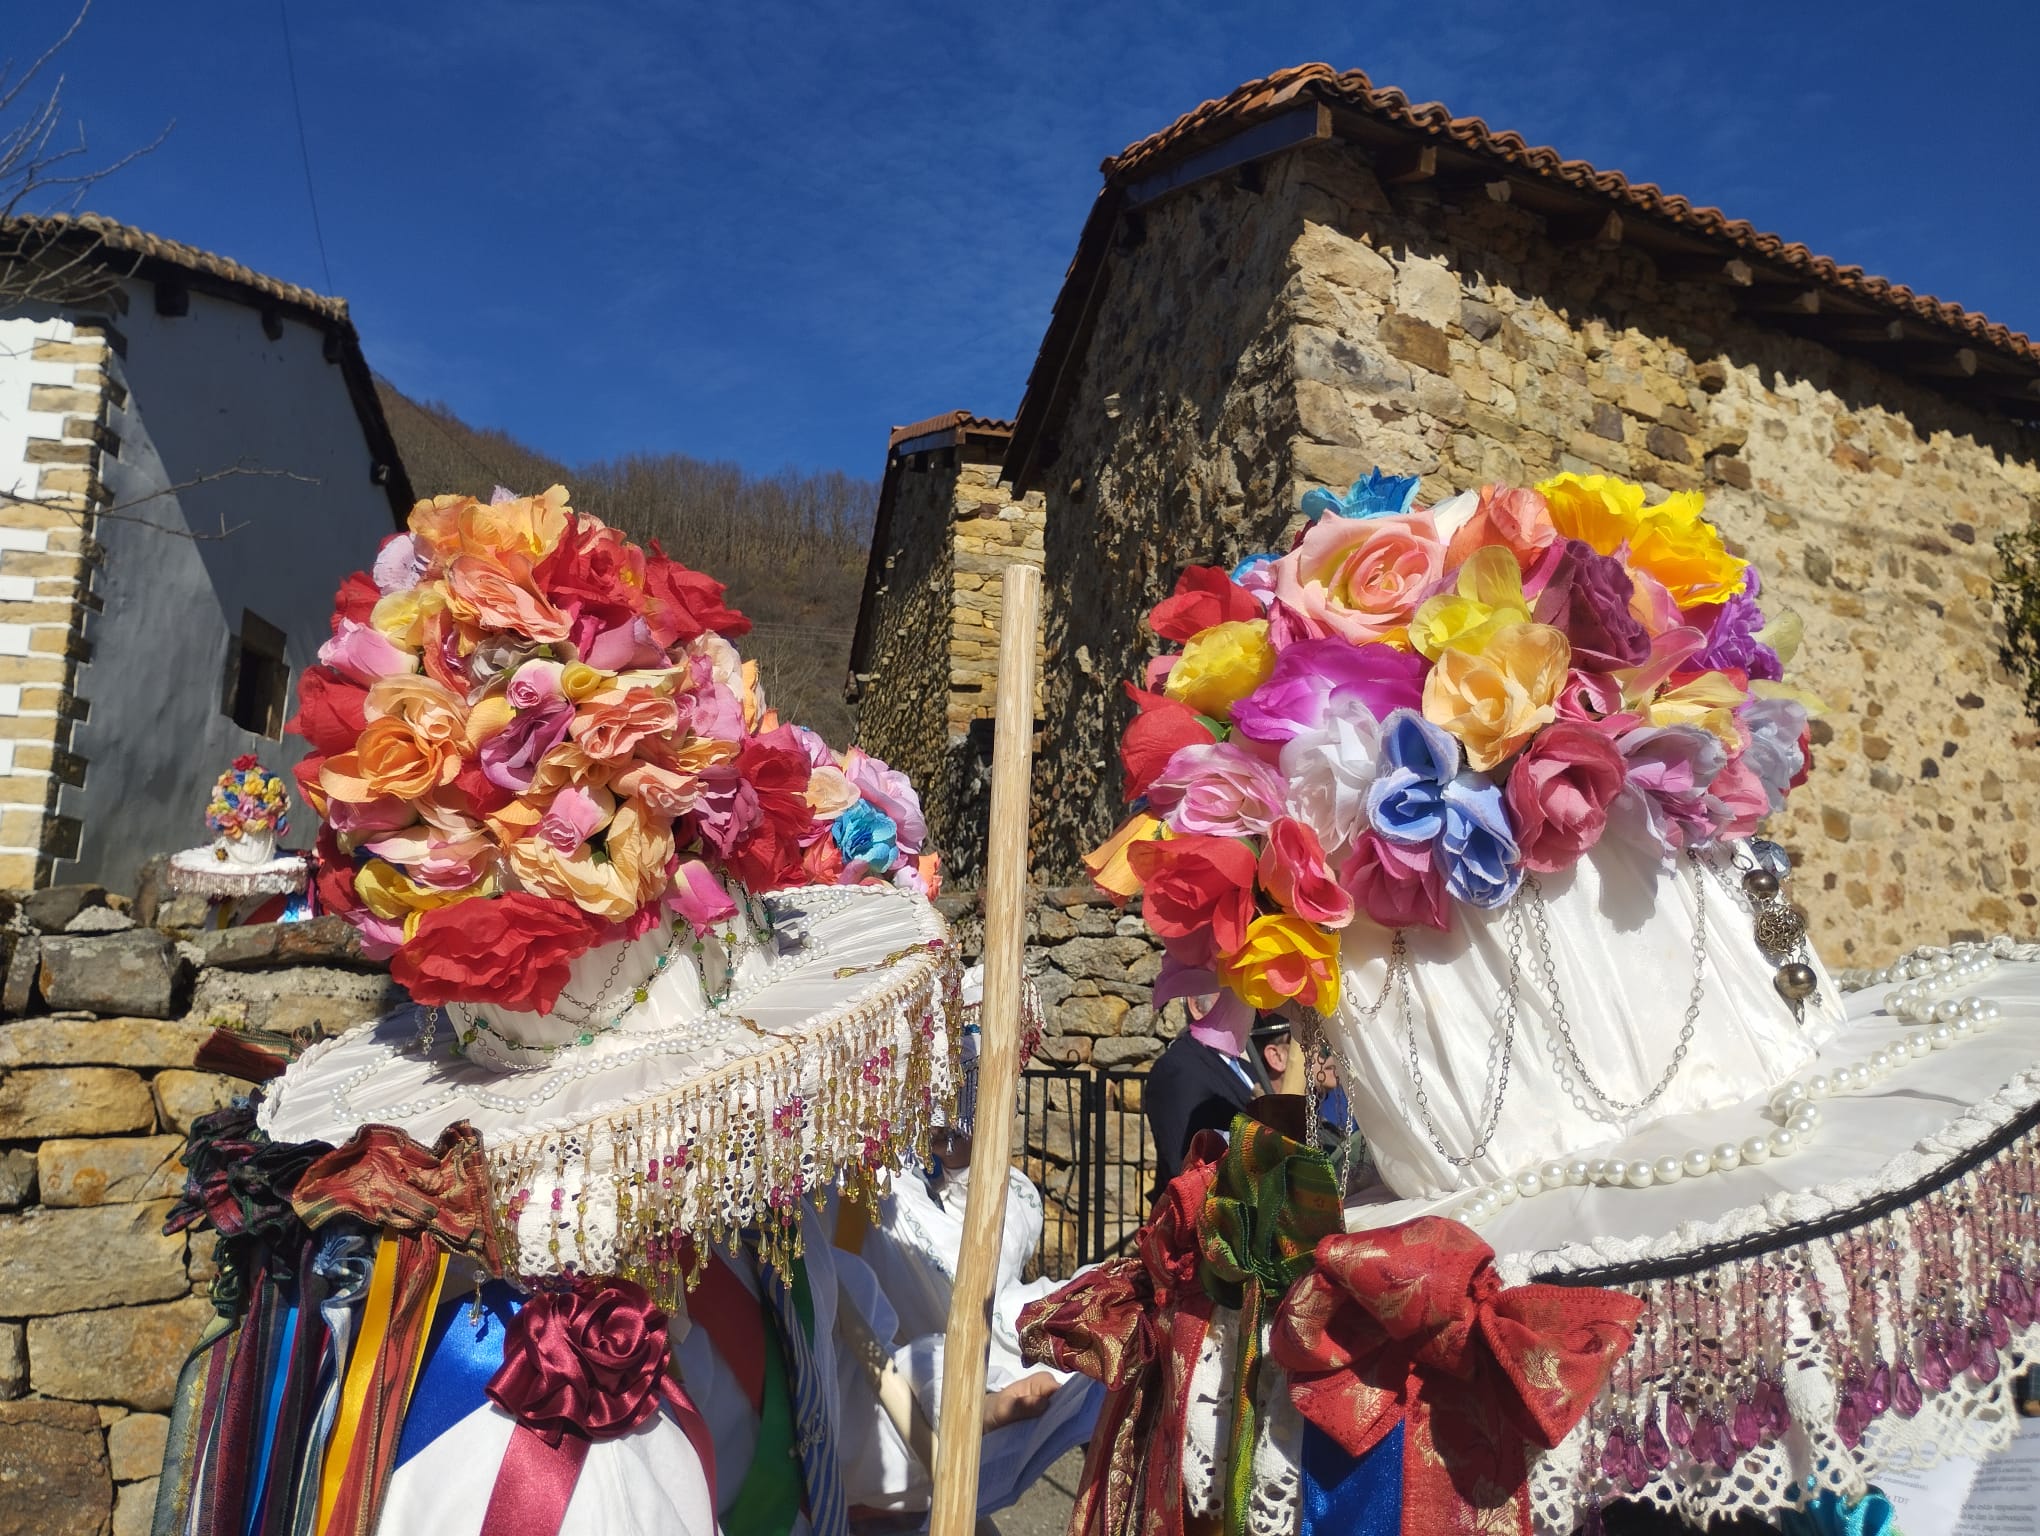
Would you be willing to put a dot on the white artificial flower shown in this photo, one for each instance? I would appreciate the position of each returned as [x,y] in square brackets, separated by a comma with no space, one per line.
[1328,768]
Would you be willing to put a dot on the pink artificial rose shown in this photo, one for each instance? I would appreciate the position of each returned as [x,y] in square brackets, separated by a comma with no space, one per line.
[381,937]
[1218,789]
[400,564]
[1516,518]
[890,791]
[717,713]
[619,648]
[1361,578]
[1592,697]
[534,684]
[1559,792]
[1293,871]
[1739,801]
[1397,886]
[819,753]
[1653,606]
[353,818]
[698,896]
[365,654]
[573,817]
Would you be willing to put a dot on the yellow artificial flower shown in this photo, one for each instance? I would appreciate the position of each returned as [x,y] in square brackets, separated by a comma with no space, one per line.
[391,894]
[1489,599]
[580,681]
[1596,509]
[1689,559]
[1222,665]
[399,617]
[491,715]
[1496,699]
[1285,959]
[1108,865]
[1708,701]
[1783,634]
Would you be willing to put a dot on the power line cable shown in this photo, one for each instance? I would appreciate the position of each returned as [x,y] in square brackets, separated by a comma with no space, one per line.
[304,150]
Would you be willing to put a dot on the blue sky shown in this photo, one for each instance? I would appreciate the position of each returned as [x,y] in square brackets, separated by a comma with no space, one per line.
[767,231]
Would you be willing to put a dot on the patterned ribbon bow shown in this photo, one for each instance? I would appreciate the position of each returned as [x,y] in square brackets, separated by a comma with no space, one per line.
[1135,1324]
[1411,1325]
[1273,1201]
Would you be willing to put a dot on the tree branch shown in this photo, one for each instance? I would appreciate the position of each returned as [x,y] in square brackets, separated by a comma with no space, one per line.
[124,511]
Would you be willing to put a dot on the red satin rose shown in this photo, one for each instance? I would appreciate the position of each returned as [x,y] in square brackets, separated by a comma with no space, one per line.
[1294,872]
[1559,792]
[1397,887]
[775,767]
[512,950]
[683,605]
[1205,595]
[1163,725]
[586,1362]
[331,711]
[1197,891]
[356,600]
[593,567]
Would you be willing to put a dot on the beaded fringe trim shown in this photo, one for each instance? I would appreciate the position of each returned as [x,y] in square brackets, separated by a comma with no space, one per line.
[735,1154]
[279,877]
[1871,1340]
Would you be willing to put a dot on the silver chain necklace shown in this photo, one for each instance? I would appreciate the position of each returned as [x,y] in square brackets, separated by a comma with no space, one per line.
[1620,1108]
[1500,1055]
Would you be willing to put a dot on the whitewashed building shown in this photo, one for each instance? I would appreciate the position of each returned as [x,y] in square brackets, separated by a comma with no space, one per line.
[192,458]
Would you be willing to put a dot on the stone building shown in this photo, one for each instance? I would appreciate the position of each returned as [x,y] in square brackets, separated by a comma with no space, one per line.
[1312,276]
[192,458]
[947,527]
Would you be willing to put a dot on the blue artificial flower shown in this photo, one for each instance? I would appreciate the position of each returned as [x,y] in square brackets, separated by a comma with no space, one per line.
[866,835]
[1478,851]
[1378,495]
[1253,563]
[1406,803]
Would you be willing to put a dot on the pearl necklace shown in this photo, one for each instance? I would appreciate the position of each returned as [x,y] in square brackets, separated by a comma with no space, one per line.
[1928,976]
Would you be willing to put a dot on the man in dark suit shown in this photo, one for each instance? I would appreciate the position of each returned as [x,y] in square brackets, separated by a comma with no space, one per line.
[1198,1085]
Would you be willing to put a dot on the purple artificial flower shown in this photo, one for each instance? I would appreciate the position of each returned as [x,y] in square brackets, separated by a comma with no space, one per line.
[1406,801]
[1310,675]
[1732,643]
[1586,596]
[1668,772]
[510,757]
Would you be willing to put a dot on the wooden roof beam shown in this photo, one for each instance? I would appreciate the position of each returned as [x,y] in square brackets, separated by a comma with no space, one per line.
[1592,226]
[1704,267]
[1406,163]
[1781,299]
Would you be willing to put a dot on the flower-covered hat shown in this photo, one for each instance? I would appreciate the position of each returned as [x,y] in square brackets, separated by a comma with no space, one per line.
[674,959]
[1472,793]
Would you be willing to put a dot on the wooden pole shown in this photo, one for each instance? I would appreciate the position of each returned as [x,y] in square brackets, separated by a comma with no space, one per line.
[984,1212]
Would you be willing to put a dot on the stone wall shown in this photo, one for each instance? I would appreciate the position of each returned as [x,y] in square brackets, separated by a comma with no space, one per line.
[106,1005]
[1257,344]
[66,371]
[952,528]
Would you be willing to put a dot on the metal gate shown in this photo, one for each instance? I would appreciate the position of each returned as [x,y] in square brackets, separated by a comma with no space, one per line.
[1084,1141]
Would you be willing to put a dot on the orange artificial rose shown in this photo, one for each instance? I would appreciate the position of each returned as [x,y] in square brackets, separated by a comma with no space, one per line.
[612,725]
[484,592]
[1496,699]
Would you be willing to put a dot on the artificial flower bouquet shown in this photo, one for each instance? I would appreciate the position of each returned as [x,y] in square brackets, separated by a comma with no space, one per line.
[247,801]
[1412,708]
[531,736]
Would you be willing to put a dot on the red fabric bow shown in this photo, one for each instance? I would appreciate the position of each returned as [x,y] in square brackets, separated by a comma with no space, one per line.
[1136,1325]
[1411,1325]
[579,1366]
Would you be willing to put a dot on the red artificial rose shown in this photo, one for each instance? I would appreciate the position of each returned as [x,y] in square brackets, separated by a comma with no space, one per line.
[356,600]
[593,568]
[1198,891]
[1205,595]
[1294,872]
[306,772]
[334,879]
[1559,792]
[1805,758]
[512,950]
[331,712]
[484,795]
[684,605]
[1163,725]
[775,767]
[823,861]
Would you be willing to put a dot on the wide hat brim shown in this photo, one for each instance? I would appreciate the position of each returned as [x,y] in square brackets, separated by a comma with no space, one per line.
[832,1058]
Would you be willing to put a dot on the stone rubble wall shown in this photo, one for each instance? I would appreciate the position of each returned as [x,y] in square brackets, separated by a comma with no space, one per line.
[106,1004]
[1256,344]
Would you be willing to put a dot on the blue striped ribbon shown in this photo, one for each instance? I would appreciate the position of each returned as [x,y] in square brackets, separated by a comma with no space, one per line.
[793,1310]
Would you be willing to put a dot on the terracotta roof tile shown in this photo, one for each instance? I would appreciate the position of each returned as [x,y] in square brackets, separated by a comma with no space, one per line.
[124,239]
[950,421]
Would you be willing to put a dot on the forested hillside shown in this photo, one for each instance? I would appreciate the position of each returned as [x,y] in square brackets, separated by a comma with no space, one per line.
[790,546]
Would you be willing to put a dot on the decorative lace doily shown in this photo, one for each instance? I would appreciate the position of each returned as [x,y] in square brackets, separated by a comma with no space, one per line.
[199,872]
